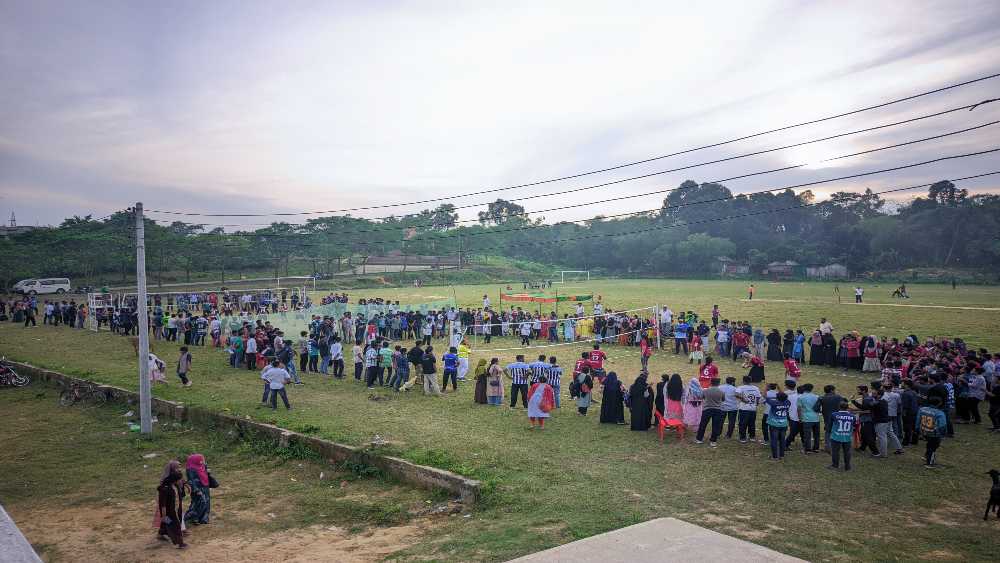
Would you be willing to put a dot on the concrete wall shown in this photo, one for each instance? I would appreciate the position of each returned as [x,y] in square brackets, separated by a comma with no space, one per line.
[14,548]
[408,472]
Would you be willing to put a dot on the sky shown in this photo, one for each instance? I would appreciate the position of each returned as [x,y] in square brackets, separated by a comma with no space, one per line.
[276,107]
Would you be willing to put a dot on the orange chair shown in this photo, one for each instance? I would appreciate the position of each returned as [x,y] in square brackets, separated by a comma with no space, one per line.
[675,424]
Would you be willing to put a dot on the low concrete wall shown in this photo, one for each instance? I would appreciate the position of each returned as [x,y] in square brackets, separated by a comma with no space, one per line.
[408,472]
[14,548]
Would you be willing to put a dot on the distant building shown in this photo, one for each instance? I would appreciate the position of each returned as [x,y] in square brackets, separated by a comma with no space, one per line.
[829,272]
[6,232]
[786,269]
[397,258]
[729,267]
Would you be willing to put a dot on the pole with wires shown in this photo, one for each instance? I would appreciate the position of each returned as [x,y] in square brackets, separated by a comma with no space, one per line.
[145,407]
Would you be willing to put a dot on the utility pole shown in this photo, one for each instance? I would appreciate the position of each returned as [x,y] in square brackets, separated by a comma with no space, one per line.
[145,409]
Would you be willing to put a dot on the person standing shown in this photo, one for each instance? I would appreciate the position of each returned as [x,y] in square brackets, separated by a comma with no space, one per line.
[707,373]
[184,366]
[541,401]
[554,376]
[829,404]
[337,357]
[613,400]
[519,373]
[463,360]
[711,411]
[201,490]
[865,404]
[645,351]
[428,366]
[749,397]
[640,403]
[809,407]
[479,376]
[494,383]
[730,405]
[276,377]
[777,422]
[859,293]
[750,292]
[584,384]
[384,364]
[933,426]
[450,371]
[371,365]
[250,353]
[884,433]
[840,434]
[170,505]
[400,375]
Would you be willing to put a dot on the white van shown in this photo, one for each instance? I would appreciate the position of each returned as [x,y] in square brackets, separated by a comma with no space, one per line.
[42,286]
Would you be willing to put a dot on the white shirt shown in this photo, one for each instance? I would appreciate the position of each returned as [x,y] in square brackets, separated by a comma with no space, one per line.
[826,328]
[486,302]
[666,316]
[251,345]
[749,397]
[793,406]
[275,377]
[859,291]
[525,329]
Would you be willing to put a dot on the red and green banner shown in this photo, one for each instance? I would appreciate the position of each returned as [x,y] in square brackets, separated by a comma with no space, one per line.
[543,298]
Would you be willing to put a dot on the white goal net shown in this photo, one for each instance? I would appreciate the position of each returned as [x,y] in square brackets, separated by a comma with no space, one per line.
[573,276]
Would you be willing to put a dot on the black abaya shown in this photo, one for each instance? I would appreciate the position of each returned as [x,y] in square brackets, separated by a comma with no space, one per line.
[641,404]
[660,398]
[774,347]
[612,402]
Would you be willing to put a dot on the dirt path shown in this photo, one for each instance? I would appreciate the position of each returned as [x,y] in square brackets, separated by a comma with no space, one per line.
[120,532]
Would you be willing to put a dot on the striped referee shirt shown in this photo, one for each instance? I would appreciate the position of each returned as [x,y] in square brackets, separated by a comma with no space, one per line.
[519,372]
[538,369]
[555,373]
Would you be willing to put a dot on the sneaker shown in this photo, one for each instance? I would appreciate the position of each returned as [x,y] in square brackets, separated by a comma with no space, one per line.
[898,452]
[699,442]
[877,456]
[928,466]
[743,441]
[833,468]
[713,444]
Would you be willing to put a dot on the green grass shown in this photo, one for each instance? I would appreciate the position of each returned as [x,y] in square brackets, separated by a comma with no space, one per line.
[579,478]
[82,457]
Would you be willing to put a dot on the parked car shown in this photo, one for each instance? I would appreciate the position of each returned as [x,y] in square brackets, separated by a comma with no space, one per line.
[42,286]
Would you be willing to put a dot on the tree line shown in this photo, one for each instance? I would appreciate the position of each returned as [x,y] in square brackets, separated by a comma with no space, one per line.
[696,224]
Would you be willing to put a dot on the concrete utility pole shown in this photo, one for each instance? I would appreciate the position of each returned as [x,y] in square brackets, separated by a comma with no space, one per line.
[145,408]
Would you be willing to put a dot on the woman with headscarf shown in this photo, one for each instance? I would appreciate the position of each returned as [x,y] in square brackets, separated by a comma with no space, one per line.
[787,341]
[758,342]
[585,385]
[201,497]
[480,375]
[830,350]
[640,398]
[756,366]
[817,356]
[799,347]
[872,353]
[170,505]
[660,397]
[494,383]
[675,397]
[541,400]
[693,398]
[613,401]
[774,353]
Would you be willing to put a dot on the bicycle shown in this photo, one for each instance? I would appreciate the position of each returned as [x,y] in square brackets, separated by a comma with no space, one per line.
[9,377]
[76,392]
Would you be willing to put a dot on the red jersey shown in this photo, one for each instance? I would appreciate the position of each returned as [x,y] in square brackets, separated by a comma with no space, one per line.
[707,373]
[597,358]
[580,364]
[741,339]
[696,344]
[792,368]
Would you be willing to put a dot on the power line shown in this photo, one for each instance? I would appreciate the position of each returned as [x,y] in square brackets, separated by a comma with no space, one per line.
[667,190]
[617,167]
[620,181]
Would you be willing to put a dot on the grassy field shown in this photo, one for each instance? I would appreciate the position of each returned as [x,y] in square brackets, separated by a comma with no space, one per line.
[579,478]
[81,487]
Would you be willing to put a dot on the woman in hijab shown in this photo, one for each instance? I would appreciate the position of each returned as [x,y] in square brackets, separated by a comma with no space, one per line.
[872,352]
[799,347]
[494,383]
[774,353]
[758,342]
[480,374]
[787,341]
[817,356]
[660,397]
[585,384]
[170,505]
[640,397]
[201,498]
[693,398]
[830,350]
[756,366]
[613,401]
[675,397]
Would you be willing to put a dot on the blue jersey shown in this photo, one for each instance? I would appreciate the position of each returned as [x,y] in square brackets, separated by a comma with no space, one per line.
[931,422]
[450,361]
[778,417]
[843,426]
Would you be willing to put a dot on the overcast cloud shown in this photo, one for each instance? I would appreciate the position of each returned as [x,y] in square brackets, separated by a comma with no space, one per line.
[244,106]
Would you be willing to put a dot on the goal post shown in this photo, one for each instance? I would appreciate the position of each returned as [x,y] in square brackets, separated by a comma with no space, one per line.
[581,274]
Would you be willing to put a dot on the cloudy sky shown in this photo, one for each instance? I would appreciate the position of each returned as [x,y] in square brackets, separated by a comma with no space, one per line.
[262,107]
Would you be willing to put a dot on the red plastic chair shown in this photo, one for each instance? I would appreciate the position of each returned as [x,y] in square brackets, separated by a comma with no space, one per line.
[675,424]
[661,424]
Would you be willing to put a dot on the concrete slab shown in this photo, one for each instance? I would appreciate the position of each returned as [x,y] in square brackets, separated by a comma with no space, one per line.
[663,539]
[13,547]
